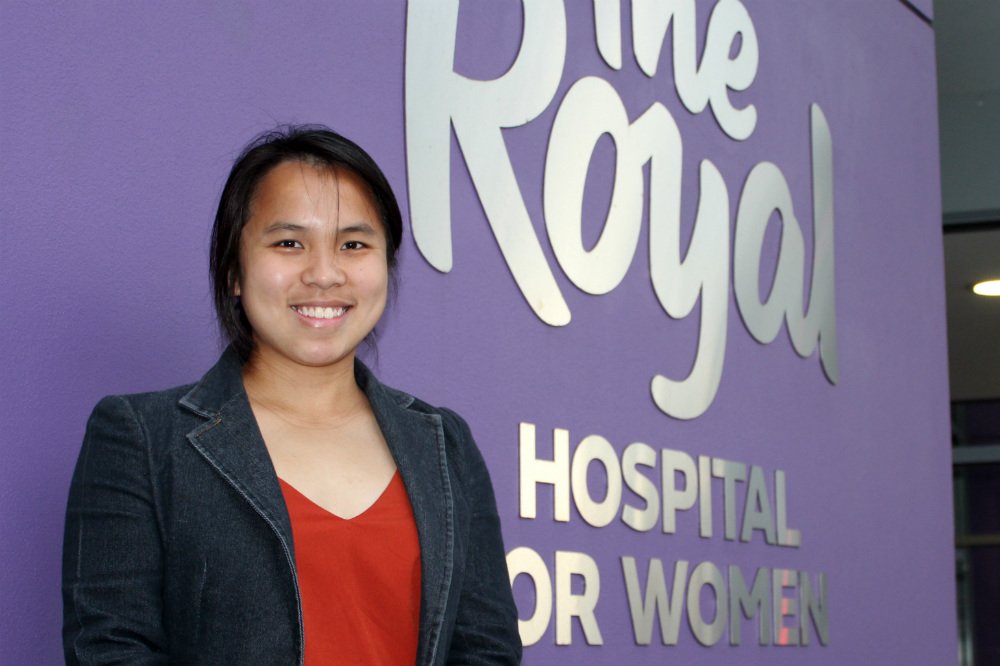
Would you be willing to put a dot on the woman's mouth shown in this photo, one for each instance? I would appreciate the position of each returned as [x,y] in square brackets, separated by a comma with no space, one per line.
[319,312]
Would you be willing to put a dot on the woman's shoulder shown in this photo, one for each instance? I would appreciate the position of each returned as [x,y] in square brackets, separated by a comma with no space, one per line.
[203,397]
[177,407]
[143,400]
[385,400]
[384,396]
[138,413]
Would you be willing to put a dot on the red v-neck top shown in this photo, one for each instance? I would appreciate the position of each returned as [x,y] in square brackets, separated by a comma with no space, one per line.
[359,579]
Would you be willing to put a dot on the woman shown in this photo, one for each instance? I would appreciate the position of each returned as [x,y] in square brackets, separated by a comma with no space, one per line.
[288,508]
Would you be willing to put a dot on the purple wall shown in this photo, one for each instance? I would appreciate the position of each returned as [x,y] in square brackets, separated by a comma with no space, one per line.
[120,121]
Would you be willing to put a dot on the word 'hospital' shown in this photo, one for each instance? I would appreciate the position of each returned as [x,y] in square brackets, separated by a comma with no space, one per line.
[568,476]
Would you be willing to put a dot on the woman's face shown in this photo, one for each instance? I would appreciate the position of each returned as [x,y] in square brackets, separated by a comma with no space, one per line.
[314,277]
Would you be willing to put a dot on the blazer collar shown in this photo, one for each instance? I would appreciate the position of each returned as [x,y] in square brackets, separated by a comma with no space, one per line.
[231,441]
[224,383]
[220,385]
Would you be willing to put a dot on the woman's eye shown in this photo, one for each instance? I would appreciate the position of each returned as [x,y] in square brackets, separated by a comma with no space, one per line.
[288,243]
[353,245]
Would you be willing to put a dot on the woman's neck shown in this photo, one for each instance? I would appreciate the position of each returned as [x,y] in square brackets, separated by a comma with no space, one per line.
[303,393]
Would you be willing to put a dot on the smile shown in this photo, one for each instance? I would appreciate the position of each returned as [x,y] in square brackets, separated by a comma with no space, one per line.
[319,312]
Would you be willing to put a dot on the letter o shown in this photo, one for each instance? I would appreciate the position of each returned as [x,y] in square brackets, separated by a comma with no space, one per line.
[707,633]
[524,560]
[598,514]
[589,110]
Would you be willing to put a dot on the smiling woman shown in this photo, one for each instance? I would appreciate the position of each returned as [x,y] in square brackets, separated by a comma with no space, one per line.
[288,508]
[313,270]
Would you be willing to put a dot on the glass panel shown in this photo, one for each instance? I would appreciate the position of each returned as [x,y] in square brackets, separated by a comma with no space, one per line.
[977,534]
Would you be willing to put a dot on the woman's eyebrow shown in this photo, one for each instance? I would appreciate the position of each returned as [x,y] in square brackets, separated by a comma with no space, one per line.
[283,226]
[357,228]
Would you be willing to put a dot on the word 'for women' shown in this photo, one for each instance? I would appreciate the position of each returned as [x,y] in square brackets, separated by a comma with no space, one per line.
[438,99]
[784,604]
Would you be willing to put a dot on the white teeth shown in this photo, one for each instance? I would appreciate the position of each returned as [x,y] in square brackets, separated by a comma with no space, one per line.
[320,313]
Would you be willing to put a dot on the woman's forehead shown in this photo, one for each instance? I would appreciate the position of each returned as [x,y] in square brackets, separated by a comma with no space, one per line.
[303,190]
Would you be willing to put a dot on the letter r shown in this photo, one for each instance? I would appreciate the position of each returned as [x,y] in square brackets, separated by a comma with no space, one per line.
[437,99]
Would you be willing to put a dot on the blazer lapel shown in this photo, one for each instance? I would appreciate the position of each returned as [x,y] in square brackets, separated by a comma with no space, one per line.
[417,443]
[231,442]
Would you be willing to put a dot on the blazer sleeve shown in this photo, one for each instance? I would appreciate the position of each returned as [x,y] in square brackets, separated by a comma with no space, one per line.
[112,554]
[485,632]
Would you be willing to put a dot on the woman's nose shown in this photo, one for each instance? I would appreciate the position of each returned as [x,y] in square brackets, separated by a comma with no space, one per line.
[324,269]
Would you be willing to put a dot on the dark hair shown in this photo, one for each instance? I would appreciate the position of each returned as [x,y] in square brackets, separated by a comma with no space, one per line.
[313,144]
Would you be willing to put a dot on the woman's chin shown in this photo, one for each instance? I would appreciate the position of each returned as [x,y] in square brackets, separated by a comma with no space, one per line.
[308,357]
[321,358]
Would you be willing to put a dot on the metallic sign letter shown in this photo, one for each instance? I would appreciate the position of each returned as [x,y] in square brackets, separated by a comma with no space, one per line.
[438,99]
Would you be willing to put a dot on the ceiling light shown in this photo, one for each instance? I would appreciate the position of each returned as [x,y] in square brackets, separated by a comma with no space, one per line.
[987,288]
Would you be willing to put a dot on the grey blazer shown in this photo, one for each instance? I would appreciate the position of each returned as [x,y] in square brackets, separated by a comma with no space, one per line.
[178,547]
